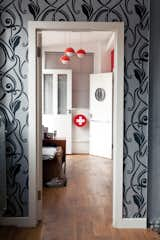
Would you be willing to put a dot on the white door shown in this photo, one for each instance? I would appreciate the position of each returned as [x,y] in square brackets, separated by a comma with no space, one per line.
[101,115]
[57,104]
[39,123]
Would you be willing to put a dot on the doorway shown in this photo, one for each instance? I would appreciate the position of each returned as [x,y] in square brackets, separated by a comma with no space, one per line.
[35,130]
[77,90]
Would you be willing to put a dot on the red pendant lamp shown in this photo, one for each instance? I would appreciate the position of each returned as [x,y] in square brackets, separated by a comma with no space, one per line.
[64,59]
[69,51]
[81,53]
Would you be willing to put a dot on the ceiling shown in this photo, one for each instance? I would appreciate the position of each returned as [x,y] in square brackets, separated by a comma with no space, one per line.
[52,38]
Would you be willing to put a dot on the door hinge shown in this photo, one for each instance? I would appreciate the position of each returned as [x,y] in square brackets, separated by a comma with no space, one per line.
[69,111]
[112,146]
[38,51]
[39,195]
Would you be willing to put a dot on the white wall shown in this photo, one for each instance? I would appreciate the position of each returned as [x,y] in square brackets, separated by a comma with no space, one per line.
[80,135]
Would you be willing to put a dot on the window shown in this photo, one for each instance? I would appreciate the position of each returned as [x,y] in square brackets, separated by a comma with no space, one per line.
[62,94]
[48,94]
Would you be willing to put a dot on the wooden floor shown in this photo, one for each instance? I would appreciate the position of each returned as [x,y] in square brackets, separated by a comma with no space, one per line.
[80,211]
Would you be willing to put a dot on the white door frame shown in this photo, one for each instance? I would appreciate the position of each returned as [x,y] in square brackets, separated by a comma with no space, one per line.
[118,108]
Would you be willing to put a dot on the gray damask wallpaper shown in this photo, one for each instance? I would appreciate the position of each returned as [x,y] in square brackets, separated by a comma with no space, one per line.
[14,17]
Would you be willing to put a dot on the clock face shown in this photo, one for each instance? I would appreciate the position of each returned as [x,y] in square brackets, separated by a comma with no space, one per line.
[100,94]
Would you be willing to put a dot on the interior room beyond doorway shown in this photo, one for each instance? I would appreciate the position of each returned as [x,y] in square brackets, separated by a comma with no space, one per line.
[81,87]
[87,75]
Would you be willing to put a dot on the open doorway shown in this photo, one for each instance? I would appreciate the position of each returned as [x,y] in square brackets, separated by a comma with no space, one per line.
[78,91]
[118,111]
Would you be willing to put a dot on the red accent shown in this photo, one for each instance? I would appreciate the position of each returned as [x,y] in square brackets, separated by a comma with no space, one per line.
[81,53]
[112,60]
[69,50]
[80,120]
[64,59]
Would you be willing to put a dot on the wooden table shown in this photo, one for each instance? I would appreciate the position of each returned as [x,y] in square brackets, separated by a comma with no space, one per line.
[58,141]
[52,167]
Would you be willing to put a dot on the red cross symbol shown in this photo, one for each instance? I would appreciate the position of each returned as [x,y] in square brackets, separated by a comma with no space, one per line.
[80,120]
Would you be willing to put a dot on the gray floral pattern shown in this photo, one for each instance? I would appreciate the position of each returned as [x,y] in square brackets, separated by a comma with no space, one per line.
[14,17]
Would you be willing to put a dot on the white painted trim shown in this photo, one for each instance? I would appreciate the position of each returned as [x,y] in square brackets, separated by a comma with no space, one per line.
[56,71]
[110,42]
[39,123]
[118,125]
[134,223]
[118,29]
[32,155]
[75,26]
[17,221]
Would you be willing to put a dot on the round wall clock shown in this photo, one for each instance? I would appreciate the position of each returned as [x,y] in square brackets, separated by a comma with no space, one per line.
[100,94]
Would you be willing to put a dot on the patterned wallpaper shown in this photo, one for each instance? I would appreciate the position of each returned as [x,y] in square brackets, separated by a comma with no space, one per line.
[14,17]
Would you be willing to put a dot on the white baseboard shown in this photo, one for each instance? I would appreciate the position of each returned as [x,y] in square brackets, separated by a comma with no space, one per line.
[140,223]
[133,223]
[17,221]
[79,147]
